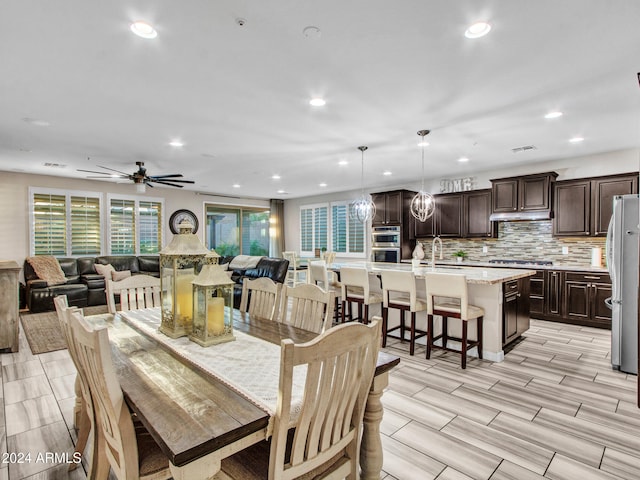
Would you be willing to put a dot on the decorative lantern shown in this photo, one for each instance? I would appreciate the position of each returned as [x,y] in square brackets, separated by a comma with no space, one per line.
[180,262]
[213,307]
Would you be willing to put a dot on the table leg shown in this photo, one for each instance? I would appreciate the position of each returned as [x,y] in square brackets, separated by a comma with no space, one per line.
[203,468]
[371,446]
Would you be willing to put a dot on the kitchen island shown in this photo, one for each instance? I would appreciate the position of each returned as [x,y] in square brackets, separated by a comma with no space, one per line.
[485,286]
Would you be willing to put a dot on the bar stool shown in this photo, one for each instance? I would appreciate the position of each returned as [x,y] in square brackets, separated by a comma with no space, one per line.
[443,289]
[295,269]
[357,289]
[323,278]
[399,291]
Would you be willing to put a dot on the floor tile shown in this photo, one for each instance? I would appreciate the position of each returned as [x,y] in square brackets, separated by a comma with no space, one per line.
[627,393]
[457,405]
[617,421]
[563,468]
[493,400]
[20,370]
[64,387]
[604,402]
[451,474]
[502,445]
[511,471]
[621,464]
[404,462]
[59,472]
[31,387]
[31,413]
[417,410]
[535,399]
[59,368]
[392,421]
[466,458]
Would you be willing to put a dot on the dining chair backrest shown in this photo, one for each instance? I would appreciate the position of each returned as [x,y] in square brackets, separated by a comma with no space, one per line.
[294,272]
[340,367]
[136,292]
[311,307]
[292,257]
[450,286]
[260,298]
[329,257]
[318,274]
[398,282]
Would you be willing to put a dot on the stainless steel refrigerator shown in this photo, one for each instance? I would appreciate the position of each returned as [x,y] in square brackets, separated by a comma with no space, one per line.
[622,263]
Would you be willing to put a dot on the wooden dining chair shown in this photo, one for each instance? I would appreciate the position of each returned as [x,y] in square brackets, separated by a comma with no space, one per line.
[84,419]
[447,296]
[323,439]
[307,306]
[260,298]
[129,450]
[295,269]
[318,274]
[136,292]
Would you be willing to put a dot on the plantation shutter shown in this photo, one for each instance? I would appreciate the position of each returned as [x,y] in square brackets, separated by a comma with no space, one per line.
[150,225]
[122,232]
[306,229]
[49,224]
[85,226]
[339,218]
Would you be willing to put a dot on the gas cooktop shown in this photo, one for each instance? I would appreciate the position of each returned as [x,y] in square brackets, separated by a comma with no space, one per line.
[503,261]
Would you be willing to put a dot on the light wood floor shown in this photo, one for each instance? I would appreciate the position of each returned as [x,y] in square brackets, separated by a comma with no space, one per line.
[553,409]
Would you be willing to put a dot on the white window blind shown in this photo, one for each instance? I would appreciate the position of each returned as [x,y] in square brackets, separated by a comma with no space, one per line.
[150,226]
[49,224]
[86,235]
[314,228]
[347,235]
[122,221]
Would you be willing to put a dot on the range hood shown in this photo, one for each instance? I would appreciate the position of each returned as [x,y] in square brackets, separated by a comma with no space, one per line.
[521,216]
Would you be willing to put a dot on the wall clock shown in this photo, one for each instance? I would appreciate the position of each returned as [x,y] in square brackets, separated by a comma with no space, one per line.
[181,215]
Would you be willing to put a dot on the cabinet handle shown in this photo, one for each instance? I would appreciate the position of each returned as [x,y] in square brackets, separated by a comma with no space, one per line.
[518,295]
[591,277]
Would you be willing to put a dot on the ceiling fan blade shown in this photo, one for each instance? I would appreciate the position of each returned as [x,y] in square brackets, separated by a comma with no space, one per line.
[107,176]
[93,171]
[147,183]
[155,179]
[167,183]
[175,175]
[114,170]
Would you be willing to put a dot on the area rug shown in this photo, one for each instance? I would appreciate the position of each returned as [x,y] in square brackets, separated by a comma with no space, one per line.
[43,330]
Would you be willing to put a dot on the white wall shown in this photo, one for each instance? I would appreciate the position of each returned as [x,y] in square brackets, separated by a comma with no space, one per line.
[14,205]
[610,163]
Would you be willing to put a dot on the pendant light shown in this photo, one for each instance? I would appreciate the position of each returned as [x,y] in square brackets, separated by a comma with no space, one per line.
[422,204]
[362,209]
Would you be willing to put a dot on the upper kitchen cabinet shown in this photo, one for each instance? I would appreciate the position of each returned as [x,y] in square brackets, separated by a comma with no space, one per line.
[459,215]
[583,207]
[522,198]
[389,207]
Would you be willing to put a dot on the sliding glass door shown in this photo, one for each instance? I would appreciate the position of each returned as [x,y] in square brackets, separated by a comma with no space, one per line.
[237,230]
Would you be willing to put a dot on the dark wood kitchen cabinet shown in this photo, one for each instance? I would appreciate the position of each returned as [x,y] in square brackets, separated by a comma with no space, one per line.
[554,285]
[528,193]
[583,207]
[584,295]
[448,215]
[537,295]
[388,208]
[475,215]
[516,309]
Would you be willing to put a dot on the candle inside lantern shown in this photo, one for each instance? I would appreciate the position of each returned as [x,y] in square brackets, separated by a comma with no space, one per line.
[215,316]
[184,296]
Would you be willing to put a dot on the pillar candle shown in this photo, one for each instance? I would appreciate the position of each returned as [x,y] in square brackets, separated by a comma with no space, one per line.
[184,296]
[215,316]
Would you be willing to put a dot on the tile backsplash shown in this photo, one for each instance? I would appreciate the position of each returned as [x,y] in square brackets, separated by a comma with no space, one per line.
[532,240]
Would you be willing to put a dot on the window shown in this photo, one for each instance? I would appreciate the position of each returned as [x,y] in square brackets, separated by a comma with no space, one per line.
[65,223]
[237,230]
[346,236]
[135,226]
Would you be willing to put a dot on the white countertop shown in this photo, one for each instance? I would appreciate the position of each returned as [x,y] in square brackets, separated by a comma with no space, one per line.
[474,274]
[526,266]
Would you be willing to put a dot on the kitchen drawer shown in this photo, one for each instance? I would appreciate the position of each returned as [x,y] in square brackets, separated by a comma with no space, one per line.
[587,277]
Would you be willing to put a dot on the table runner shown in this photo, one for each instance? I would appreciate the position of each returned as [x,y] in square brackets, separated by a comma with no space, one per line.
[248,365]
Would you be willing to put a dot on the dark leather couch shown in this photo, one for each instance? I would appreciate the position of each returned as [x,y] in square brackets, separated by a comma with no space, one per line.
[84,287]
[274,268]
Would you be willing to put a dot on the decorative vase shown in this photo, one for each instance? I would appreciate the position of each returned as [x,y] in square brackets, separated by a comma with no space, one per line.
[460,259]
[418,252]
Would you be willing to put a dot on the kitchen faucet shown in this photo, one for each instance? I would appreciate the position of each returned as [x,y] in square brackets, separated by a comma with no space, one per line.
[433,252]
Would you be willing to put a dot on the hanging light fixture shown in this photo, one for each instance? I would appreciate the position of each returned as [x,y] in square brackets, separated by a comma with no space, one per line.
[363,208]
[422,204]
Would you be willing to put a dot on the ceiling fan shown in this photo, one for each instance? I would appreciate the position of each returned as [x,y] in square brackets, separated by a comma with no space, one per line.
[140,178]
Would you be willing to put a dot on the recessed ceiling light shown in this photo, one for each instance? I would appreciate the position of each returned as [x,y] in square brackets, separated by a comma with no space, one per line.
[176,143]
[317,102]
[236,185]
[386,172]
[576,140]
[322,184]
[143,29]
[554,114]
[463,159]
[36,122]
[281,191]
[343,163]
[477,30]
[275,177]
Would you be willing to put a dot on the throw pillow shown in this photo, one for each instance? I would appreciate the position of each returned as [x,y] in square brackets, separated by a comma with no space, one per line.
[47,268]
[104,270]
[117,276]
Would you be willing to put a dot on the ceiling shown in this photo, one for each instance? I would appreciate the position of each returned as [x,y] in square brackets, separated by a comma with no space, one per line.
[238,96]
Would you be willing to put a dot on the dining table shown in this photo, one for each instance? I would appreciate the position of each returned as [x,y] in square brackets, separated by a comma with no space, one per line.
[199,407]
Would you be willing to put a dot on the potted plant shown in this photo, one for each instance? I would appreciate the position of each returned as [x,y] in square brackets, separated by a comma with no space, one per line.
[460,254]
